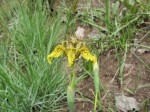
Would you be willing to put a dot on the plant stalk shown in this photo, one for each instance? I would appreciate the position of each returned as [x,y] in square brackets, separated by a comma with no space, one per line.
[71,92]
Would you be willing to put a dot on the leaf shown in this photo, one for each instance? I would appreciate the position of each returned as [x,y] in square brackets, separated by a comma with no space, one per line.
[122,0]
[139,1]
[129,91]
[131,2]
[71,98]
[115,7]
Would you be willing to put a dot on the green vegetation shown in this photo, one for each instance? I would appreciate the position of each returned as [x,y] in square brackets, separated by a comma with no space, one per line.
[29,31]
[28,82]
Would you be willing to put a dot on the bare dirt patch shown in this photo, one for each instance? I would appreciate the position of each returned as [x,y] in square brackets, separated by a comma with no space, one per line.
[136,81]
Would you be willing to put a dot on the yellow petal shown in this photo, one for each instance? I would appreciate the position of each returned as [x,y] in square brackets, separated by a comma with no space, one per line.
[71,55]
[58,51]
[87,55]
[79,45]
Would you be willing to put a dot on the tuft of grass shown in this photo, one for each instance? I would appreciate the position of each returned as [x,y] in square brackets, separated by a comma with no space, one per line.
[28,82]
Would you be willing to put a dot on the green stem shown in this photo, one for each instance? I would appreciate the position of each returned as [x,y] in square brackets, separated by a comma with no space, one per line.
[107,8]
[71,92]
[95,103]
[97,88]
[74,5]
[73,81]
[70,14]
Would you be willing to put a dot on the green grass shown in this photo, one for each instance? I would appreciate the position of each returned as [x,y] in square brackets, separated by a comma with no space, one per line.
[27,82]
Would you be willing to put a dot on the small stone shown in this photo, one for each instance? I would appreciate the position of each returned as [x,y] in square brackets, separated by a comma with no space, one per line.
[80,33]
[126,103]
[141,51]
[128,65]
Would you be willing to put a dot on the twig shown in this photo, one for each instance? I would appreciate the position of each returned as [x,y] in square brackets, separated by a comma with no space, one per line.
[128,72]
[110,84]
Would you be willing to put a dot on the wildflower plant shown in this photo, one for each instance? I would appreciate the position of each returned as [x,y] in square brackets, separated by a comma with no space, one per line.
[72,49]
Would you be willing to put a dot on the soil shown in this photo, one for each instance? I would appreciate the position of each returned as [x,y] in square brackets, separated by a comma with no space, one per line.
[135,75]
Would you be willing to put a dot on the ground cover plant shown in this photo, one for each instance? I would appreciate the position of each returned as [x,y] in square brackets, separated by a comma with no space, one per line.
[28,83]
[117,32]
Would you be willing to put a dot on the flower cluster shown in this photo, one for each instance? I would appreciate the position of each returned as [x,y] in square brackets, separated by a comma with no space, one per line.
[72,50]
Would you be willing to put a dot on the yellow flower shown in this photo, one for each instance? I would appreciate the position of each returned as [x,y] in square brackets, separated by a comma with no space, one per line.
[58,51]
[87,55]
[72,50]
